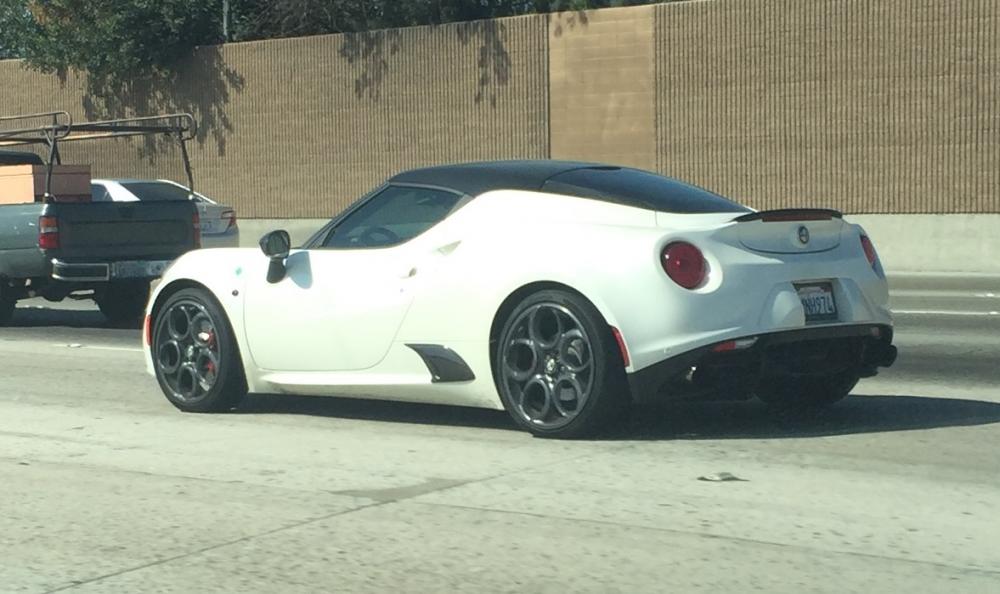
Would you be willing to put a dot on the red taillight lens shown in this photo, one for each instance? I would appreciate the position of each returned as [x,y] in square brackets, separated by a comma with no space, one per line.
[684,264]
[48,233]
[230,217]
[196,225]
[869,248]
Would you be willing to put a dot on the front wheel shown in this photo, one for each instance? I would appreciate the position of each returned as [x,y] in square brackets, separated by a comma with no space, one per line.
[197,361]
[558,368]
[806,393]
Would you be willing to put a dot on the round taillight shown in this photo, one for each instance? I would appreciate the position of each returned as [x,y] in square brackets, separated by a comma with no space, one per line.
[869,248]
[684,264]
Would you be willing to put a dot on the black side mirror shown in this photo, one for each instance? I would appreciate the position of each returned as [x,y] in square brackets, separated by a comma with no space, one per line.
[276,246]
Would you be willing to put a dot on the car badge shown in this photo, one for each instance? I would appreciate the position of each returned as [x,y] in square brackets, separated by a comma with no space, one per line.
[803,235]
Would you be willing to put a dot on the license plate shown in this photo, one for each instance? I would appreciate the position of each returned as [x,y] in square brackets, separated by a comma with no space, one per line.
[817,301]
[139,269]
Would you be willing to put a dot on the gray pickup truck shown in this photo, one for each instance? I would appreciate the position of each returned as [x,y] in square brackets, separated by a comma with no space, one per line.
[105,251]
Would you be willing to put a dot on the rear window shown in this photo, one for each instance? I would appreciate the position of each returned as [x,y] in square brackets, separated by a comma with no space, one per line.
[154,192]
[641,189]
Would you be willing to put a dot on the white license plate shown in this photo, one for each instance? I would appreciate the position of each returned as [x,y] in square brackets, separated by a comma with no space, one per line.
[152,269]
[817,301]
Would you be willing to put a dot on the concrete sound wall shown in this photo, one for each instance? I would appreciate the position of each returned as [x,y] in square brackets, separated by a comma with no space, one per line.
[882,107]
[300,127]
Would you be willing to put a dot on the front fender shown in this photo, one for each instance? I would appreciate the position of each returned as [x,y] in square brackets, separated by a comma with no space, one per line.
[223,273]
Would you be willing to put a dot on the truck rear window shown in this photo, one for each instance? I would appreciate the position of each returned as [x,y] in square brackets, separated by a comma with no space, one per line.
[632,187]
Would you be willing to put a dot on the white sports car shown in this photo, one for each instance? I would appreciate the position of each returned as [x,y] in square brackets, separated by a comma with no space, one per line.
[561,292]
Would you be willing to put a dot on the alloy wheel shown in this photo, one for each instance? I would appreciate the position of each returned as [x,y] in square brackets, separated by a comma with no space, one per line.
[548,365]
[187,351]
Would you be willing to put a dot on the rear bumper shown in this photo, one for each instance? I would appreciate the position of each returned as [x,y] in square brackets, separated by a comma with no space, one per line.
[703,372]
[229,239]
[97,272]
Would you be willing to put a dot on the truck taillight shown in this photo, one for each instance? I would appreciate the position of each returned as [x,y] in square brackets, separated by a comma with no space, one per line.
[48,233]
[230,217]
[196,226]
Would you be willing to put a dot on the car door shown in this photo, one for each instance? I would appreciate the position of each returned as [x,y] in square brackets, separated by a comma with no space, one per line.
[342,300]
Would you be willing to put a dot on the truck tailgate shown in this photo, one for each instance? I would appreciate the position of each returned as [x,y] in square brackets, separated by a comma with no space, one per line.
[123,231]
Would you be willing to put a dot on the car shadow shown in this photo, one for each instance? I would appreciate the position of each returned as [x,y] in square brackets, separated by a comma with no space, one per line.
[43,317]
[754,420]
[376,410]
[686,421]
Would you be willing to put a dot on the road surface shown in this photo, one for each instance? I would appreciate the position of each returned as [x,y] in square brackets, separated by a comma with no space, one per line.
[106,488]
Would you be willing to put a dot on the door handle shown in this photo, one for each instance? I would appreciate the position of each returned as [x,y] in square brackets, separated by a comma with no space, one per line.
[412,272]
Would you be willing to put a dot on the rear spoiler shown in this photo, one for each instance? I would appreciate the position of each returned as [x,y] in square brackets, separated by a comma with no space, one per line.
[791,214]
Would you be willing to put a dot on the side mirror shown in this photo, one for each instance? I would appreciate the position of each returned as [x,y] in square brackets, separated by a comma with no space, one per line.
[276,246]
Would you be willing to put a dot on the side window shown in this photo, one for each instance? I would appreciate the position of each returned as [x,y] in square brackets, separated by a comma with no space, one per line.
[395,215]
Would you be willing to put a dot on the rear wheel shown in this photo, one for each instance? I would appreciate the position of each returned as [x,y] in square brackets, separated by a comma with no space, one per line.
[197,362]
[7,306]
[123,303]
[558,368]
[805,393]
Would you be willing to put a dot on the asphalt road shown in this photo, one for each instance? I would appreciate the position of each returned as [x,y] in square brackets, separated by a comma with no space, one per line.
[106,488]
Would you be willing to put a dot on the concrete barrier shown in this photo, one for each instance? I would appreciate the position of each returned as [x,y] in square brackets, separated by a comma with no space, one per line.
[251,230]
[967,244]
[959,243]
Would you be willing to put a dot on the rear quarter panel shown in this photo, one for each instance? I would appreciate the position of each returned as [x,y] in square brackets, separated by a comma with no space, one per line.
[611,254]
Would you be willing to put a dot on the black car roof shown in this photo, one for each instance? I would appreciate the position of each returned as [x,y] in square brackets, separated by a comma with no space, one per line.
[481,177]
[608,183]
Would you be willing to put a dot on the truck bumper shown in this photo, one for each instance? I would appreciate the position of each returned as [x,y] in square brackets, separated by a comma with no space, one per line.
[87,272]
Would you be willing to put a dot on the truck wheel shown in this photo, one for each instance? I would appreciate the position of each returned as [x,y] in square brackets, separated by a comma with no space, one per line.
[6,310]
[124,303]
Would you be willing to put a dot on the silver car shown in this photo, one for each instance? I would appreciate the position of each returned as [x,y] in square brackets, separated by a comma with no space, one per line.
[218,222]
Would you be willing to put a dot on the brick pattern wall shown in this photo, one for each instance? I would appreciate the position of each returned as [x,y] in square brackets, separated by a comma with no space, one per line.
[602,86]
[871,107]
[300,128]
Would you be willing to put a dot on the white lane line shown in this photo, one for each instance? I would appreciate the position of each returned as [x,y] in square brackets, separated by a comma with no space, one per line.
[98,348]
[937,312]
[943,294]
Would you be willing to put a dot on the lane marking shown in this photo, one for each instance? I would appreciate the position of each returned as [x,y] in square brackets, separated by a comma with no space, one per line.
[99,348]
[937,312]
[943,294]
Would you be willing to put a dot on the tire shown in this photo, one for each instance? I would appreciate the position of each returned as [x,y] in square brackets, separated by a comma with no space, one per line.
[6,310]
[806,393]
[196,358]
[547,381]
[124,303]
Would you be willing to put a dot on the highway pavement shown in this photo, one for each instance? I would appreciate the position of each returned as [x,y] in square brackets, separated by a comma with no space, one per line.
[105,487]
